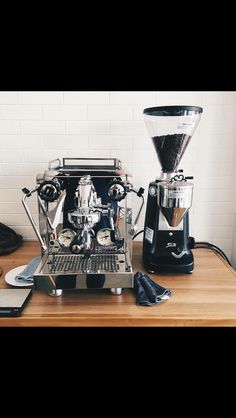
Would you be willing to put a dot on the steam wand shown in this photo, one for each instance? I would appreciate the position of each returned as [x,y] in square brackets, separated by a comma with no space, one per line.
[139,193]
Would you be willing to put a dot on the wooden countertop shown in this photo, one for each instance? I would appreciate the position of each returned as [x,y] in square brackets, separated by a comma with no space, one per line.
[205,298]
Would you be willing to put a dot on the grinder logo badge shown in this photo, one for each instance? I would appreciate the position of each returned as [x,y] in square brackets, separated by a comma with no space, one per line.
[152,191]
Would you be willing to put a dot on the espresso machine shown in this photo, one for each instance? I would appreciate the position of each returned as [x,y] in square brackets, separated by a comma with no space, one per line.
[166,242]
[85,226]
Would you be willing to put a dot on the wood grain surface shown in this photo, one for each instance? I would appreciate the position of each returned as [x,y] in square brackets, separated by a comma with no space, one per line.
[207,297]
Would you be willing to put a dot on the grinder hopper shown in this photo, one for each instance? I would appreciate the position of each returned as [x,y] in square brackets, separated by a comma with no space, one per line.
[171,128]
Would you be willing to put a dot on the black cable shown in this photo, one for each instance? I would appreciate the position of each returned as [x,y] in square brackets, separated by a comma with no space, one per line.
[138,233]
[216,249]
[200,244]
[213,247]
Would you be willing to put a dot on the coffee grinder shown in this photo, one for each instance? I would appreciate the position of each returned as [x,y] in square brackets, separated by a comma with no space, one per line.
[166,242]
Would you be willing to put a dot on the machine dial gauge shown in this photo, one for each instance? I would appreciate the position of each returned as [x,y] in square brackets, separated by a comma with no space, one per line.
[104,237]
[65,237]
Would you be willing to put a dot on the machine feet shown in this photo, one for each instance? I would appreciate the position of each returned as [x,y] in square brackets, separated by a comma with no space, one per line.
[56,292]
[116,290]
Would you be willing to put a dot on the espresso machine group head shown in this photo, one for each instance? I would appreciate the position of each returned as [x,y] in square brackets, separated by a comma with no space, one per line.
[166,243]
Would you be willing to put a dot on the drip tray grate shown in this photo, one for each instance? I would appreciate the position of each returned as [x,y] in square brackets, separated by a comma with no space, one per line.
[60,264]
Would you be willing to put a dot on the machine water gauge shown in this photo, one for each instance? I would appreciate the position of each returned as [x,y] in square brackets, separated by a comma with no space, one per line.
[104,237]
[66,236]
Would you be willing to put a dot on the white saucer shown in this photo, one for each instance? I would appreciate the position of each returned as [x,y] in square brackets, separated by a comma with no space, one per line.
[10,277]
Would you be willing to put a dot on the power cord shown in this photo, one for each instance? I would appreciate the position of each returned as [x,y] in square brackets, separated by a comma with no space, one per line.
[137,233]
[213,247]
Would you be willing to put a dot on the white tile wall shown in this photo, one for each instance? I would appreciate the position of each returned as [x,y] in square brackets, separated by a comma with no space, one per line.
[8,97]
[36,127]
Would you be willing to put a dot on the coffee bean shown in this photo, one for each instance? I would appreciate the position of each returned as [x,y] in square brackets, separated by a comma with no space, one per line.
[170,149]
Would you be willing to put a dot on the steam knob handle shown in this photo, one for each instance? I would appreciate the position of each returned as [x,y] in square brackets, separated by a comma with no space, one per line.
[49,191]
[116,190]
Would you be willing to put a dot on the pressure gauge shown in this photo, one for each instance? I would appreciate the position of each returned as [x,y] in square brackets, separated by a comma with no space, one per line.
[65,237]
[104,237]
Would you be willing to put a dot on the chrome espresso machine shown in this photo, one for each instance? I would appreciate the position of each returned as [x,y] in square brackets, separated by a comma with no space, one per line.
[85,225]
[166,242]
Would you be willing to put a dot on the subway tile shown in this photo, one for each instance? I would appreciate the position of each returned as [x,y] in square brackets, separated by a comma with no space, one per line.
[143,142]
[8,207]
[17,182]
[109,112]
[66,141]
[133,98]
[24,169]
[219,97]
[221,232]
[8,97]
[10,156]
[123,155]
[219,119]
[15,219]
[11,195]
[20,141]
[128,128]
[216,140]
[42,127]
[139,155]
[40,97]
[213,219]
[43,155]
[122,142]
[214,207]
[86,97]
[87,128]
[205,195]
[9,127]
[189,98]
[20,112]
[112,142]
[100,141]
[138,112]
[64,112]
[92,153]
[215,182]
[222,155]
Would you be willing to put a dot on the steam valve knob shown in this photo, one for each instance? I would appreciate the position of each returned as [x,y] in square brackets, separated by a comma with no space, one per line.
[116,190]
[49,191]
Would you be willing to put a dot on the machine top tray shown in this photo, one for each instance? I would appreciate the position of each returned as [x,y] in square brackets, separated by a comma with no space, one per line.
[84,164]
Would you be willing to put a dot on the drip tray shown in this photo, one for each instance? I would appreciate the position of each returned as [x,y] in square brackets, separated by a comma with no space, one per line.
[76,264]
